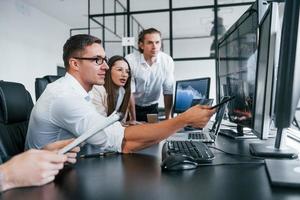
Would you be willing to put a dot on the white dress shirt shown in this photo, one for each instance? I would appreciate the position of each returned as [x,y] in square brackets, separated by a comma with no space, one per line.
[63,111]
[148,81]
[99,98]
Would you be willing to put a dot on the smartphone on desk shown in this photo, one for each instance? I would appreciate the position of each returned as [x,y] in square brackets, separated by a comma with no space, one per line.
[224,100]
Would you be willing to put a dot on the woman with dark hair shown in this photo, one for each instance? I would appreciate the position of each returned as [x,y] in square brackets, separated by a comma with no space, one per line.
[115,93]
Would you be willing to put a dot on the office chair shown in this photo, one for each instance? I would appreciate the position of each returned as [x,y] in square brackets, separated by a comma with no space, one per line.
[15,108]
[41,83]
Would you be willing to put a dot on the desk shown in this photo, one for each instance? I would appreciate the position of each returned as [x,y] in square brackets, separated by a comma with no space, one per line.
[139,176]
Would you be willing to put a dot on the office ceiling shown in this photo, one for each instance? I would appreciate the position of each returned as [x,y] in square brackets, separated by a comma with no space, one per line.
[74,12]
[70,12]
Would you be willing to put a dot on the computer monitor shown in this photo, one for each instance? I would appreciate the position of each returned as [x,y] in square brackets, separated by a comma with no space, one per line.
[267,61]
[288,83]
[286,172]
[189,91]
[236,69]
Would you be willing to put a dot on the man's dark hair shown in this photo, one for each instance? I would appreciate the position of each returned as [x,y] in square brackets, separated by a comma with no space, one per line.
[143,33]
[75,45]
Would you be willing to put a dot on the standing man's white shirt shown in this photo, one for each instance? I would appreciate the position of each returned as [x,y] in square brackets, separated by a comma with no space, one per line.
[64,110]
[147,82]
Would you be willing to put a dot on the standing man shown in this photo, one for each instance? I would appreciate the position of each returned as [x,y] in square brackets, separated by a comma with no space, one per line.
[152,72]
[65,109]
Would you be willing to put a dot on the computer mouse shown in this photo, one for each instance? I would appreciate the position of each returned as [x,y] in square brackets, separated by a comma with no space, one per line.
[178,162]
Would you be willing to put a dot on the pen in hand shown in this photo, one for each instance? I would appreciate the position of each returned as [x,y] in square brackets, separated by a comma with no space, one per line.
[100,154]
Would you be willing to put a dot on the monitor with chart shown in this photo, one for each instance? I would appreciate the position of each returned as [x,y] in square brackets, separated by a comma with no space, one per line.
[187,92]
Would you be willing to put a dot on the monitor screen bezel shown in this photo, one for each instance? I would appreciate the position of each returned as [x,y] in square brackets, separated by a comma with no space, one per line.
[232,29]
[287,95]
[188,80]
[264,80]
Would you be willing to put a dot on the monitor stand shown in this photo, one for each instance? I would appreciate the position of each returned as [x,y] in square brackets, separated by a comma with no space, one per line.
[238,134]
[279,150]
[269,151]
[284,172]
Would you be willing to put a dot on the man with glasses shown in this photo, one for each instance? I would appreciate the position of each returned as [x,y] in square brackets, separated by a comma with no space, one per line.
[65,109]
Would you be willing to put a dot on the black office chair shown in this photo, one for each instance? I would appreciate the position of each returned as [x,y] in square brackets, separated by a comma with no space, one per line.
[15,108]
[41,83]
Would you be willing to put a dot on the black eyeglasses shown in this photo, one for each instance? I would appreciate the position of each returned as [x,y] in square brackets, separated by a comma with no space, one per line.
[99,60]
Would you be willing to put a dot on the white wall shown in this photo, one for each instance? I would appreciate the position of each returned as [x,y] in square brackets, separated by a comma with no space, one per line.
[31,46]
[30,43]
[197,69]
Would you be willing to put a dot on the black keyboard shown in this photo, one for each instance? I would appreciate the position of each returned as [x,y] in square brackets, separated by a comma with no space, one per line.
[198,151]
[197,135]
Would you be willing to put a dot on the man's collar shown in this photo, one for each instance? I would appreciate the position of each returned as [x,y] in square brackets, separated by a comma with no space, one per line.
[143,61]
[77,86]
